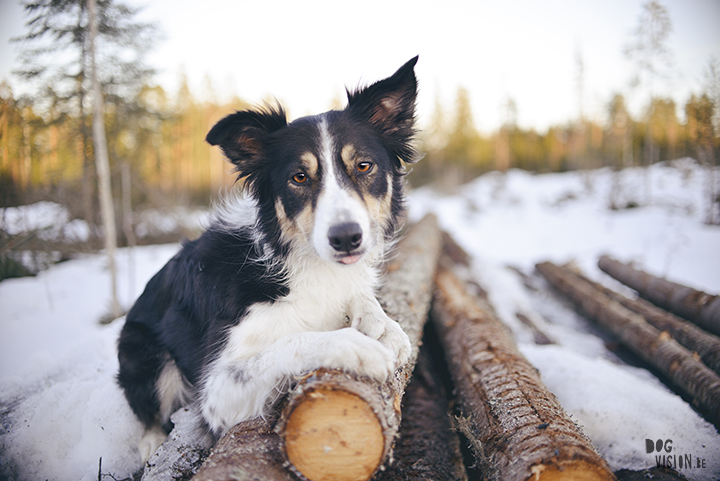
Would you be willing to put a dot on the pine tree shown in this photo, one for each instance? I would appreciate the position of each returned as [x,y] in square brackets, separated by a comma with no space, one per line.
[55,59]
[77,50]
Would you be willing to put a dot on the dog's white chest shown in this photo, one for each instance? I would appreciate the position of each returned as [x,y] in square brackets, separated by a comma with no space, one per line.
[320,299]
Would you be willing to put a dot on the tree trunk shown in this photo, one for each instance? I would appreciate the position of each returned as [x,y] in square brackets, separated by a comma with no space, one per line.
[103,167]
[706,345]
[657,348]
[699,307]
[516,428]
[335,425]
[428,448]
[251,450]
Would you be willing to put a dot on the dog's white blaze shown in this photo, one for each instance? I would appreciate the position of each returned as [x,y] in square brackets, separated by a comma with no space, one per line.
[336,205]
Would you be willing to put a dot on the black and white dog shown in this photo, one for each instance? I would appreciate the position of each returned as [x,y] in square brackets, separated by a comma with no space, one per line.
[283,280]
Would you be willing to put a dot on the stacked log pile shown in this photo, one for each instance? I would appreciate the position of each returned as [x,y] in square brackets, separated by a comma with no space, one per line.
[699,307]
[648,333]
[516,427]
[472,407]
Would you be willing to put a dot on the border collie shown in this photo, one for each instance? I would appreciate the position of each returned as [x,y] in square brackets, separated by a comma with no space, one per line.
[283,280]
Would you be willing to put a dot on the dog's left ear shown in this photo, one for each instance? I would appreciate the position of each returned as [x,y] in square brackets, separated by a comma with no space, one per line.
[389,105]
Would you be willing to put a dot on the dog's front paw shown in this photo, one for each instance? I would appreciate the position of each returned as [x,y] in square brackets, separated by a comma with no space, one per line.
[355,352]
[395,339]
[379,326]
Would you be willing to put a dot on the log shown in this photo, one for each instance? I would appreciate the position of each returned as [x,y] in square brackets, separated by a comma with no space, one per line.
[251,450]
[182,453]
[337,426]
[428,448]
[697,340]
[515,427]
[657,348]
[699,307]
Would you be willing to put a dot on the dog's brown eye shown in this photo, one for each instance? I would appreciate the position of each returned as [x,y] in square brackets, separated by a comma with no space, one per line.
[300,177]
[364,167]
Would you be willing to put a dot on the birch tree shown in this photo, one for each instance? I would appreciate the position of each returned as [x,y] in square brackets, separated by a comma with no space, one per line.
[653,59]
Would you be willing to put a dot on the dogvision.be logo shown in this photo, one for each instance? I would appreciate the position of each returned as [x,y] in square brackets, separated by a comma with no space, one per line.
[666,456]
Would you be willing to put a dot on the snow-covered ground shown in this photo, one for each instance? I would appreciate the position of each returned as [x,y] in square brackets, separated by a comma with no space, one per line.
[61,410]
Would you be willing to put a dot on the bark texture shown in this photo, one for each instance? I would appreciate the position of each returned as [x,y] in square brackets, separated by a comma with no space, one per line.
[181,455]
[516,428]
[428,448]
[655,347]
[356,441]
[706,345]
[251,450]
[699,307]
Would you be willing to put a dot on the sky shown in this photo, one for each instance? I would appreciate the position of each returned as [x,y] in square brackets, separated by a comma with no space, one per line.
[305,53]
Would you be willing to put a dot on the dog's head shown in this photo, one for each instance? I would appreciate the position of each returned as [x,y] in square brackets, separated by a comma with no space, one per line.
[334,180]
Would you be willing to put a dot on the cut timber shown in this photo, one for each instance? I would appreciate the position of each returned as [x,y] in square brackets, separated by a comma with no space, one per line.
[337,426]
[516,428]
[249,451]
[655,347]
[428,448]
[699,307]
[706,345]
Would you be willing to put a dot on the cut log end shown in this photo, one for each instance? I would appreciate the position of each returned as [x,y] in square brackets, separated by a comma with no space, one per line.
[334,435]
[569,471]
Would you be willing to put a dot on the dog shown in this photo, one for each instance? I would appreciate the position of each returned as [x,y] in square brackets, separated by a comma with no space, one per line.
[282,282]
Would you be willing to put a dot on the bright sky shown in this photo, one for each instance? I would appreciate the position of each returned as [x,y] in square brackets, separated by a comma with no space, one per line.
[305,52]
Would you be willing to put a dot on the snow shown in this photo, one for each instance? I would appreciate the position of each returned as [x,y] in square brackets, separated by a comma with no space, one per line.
[51,220]
[509,222]
[61,410]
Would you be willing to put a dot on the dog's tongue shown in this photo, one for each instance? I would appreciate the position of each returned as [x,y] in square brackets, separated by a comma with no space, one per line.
[350,259]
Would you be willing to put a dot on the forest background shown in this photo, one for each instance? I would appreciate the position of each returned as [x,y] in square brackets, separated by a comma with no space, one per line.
[159,159]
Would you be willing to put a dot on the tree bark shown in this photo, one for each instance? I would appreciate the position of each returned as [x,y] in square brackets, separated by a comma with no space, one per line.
[516,428]
[103,167]
[338,426]
[656,348]
[706,345]
[335,425]
[251,450]
[699,307]
[428,448]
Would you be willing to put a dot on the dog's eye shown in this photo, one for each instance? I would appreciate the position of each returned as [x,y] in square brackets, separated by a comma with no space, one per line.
[364,167]
[300,178]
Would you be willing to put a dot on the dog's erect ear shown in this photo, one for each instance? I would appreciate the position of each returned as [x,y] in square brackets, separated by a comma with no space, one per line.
[242,136]
[389,105]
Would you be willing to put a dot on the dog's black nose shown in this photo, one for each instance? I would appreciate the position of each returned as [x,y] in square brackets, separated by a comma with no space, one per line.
[345,237]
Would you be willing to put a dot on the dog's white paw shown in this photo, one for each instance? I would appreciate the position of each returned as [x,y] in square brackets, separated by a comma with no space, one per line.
[353,351]
[395,339]
[150,442]
[379,326]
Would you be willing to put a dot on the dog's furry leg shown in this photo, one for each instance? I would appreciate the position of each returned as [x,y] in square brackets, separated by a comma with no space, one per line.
[237,389]
[150,442]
